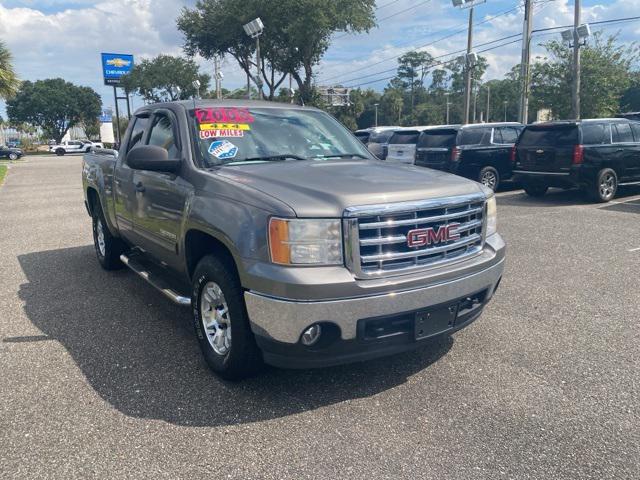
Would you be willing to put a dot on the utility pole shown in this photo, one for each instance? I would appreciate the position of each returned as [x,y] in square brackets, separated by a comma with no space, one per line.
[216,65]
[376,105]
[523,109]
[447,97]
[488,101]
[467,70]
[575,91]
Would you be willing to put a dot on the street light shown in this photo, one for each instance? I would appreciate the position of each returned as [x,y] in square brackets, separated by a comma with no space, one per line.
[446,94]
[505,109]
[196,85]
[376,105]
[254,29]
[470,57]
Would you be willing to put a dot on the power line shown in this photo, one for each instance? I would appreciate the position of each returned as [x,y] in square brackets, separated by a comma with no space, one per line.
[453,34]
[387,4]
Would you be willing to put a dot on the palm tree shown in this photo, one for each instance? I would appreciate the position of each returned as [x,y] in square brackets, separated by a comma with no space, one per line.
[9,82]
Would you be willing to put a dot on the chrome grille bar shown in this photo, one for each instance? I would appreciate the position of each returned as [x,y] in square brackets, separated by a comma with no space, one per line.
[464,227]
[425,251]
[419,221]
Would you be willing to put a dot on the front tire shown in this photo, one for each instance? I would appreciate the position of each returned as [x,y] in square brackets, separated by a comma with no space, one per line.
[108,248]
[13,156]
[535,190]
[605,186]
[489,177]
[221,321]
[60,152]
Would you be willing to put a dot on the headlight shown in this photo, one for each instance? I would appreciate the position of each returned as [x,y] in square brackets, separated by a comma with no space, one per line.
[305,242]
[492,216]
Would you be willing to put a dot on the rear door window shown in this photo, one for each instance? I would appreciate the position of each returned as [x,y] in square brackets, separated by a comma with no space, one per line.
[381,137]
[363,136]
[475,136]
[621,133]
[404,138]
[595,133]
[437,139]
[549,136]
[508,134]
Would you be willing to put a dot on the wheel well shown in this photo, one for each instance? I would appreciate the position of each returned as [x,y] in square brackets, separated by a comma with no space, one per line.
[92,199]
[198,244]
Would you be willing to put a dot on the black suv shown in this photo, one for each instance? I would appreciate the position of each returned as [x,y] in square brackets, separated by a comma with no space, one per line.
[480,152]
[595,155]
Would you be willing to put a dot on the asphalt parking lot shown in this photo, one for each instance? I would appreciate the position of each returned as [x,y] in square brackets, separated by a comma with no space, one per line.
[102,376]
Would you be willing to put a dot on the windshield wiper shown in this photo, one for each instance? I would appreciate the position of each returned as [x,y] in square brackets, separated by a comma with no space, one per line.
[271,158]
[343,155]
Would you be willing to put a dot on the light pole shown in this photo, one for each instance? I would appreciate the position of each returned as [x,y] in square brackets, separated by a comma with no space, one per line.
[578,35]
[488,101]
[254,29]
[470,58]
[196,85]
[505,109]
[376,105]
[446,95]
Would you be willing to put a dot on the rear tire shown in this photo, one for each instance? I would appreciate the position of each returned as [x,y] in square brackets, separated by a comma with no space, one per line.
[221,321]
[60,152]
[108,248]
[536,191]
[489,177]
[13,156]
[605,186]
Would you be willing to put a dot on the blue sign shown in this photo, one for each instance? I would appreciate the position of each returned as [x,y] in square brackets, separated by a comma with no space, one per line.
[114,66]
[106,115]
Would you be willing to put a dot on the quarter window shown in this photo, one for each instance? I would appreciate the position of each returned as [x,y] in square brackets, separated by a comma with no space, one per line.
[138,131]
[509,135]
[635,128]
[162,135]
[622,133]
[594,134]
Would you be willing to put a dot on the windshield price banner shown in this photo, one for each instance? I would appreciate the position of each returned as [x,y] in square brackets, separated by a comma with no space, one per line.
[223,122]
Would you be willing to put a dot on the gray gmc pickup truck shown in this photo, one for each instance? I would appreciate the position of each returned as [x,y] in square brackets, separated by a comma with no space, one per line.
[289,241]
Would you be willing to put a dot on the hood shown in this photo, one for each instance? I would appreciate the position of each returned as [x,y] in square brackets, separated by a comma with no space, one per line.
[325,188]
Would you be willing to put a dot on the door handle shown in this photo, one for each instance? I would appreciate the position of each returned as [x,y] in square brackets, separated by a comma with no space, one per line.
[140,187]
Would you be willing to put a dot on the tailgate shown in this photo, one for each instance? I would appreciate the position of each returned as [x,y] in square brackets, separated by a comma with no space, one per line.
[401,153]
[547,147]
[437,158]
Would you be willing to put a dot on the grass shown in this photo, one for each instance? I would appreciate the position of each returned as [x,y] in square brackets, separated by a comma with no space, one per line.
[3,172]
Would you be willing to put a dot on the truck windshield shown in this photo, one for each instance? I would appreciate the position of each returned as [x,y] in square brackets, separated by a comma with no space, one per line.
[549,136]
[437,139]
[236,135]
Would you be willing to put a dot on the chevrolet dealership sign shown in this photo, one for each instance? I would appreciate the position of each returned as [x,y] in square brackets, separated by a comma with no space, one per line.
[114,66]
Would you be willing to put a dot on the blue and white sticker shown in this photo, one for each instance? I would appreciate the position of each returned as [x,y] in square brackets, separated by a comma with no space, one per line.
[223,149]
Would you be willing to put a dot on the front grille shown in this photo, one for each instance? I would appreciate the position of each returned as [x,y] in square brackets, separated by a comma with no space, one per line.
[377,236]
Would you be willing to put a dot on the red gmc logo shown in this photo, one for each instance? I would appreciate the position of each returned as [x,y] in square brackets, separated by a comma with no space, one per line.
[421,237]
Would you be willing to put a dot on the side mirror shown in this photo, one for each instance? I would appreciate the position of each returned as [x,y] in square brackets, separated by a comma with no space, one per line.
[153,158]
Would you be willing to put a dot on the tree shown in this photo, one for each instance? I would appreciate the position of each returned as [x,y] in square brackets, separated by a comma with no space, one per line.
[9,82]
[55,105]
[411,72]
[630,101]
[605,71]
[297,33]
[165,78]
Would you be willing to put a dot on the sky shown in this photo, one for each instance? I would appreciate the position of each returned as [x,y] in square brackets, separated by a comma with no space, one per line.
[64,38]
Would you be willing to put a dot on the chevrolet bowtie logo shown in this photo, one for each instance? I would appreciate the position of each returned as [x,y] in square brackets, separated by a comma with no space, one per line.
[119,62]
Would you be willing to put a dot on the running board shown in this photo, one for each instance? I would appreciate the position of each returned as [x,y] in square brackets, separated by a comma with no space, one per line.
[155,280]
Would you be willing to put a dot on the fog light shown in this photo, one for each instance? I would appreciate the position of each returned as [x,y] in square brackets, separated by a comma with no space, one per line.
[311,335]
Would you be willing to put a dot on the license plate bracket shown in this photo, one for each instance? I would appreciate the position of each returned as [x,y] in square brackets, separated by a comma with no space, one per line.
[429,323]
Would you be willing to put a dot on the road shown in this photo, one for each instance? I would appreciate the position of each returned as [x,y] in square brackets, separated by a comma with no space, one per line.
[102,377]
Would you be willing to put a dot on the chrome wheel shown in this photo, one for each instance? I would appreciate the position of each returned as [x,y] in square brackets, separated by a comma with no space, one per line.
[13,156]
[214,312]
[489,179]
[607,186]
[100,238]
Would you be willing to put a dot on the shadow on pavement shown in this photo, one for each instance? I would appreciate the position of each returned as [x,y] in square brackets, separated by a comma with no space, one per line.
[556,197]
[138,351]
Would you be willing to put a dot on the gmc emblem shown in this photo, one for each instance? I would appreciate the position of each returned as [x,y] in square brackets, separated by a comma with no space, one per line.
[421,237]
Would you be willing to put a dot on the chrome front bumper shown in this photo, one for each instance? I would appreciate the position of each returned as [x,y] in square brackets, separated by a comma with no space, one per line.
[285,320]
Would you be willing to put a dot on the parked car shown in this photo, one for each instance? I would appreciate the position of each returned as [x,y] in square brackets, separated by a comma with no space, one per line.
[74,146]
[10,153]
[402,145]
[481,152]
[379,141]
[363,135]
[595,155]
[289,241]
